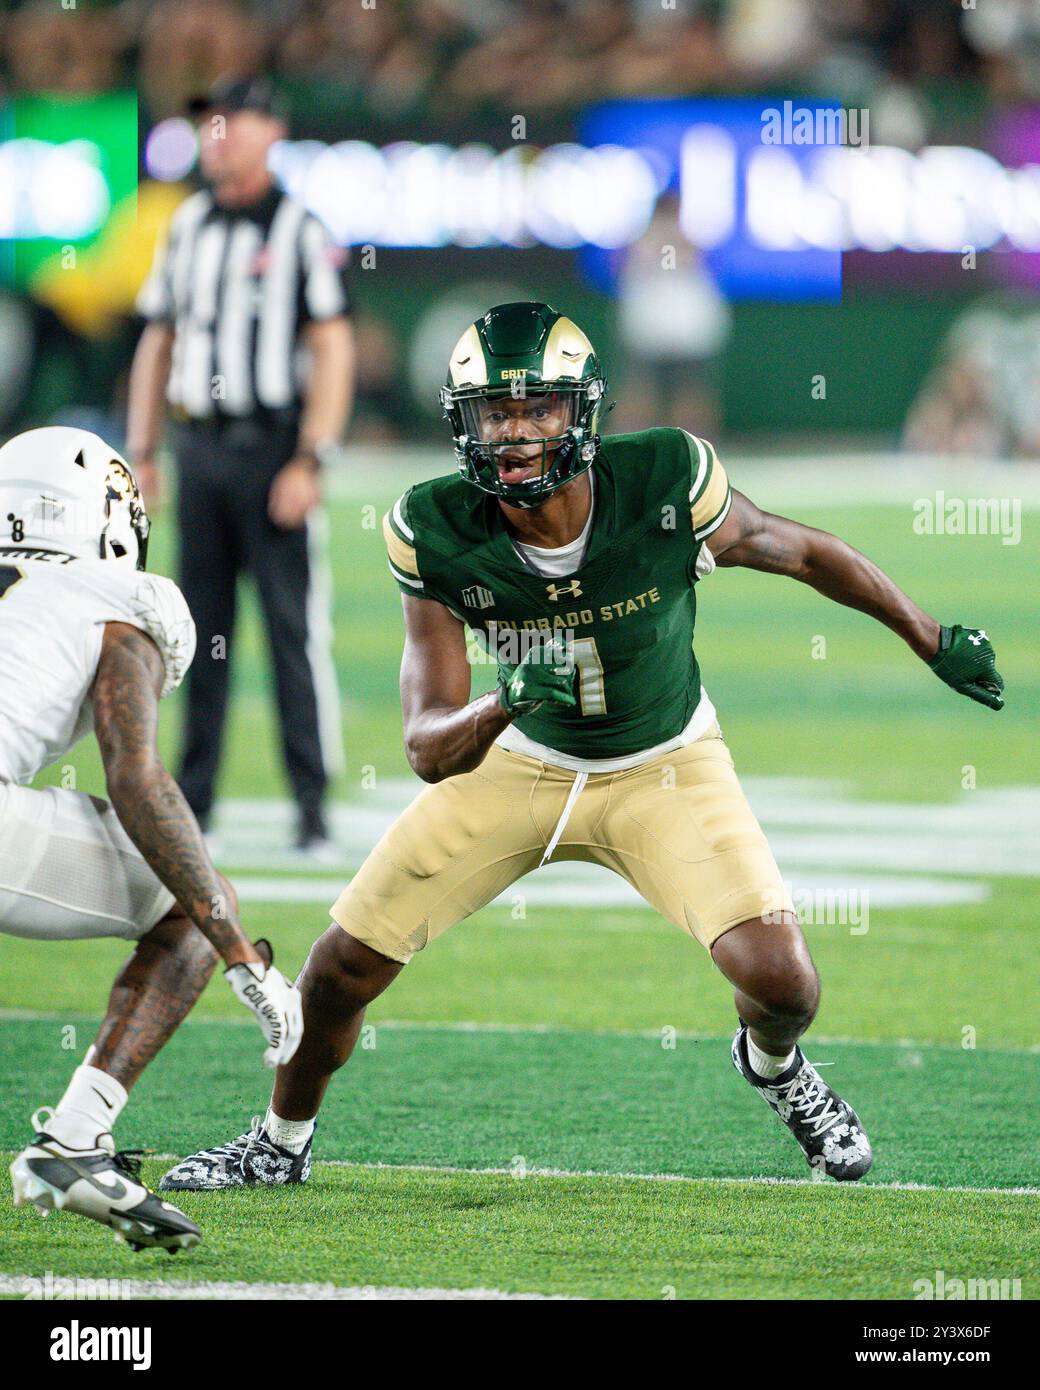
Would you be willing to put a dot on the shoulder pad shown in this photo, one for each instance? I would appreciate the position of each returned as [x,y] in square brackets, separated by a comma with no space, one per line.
[162,611]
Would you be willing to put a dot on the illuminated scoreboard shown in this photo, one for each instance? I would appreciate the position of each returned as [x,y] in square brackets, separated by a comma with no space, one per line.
[65,164]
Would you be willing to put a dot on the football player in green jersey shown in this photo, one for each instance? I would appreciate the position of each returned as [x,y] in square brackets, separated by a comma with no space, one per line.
[574,560]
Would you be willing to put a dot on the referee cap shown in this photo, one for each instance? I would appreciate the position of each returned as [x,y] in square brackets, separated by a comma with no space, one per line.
[232,94]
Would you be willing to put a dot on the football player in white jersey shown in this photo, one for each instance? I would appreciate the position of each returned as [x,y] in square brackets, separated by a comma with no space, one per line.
[92,642]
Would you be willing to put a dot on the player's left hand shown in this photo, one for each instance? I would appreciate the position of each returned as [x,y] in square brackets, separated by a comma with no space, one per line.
[967,662]
[294,492]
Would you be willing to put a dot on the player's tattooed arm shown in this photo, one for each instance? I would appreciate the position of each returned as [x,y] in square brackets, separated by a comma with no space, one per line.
[148,802]
[761,541]
[445,732]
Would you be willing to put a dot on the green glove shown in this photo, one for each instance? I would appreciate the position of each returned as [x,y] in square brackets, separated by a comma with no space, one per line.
[544,674]
[967,662]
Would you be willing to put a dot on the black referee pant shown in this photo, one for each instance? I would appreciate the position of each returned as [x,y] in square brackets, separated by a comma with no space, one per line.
[225,472]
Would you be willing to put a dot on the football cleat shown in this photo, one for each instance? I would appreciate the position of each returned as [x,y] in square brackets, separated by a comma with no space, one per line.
[251,1159]
[826,1127]
[101,1184]
[313,840]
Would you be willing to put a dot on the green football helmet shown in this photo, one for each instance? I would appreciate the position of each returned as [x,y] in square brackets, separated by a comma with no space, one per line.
[523,362]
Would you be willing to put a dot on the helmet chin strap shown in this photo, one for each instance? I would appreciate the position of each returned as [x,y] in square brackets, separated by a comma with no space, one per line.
[142,530]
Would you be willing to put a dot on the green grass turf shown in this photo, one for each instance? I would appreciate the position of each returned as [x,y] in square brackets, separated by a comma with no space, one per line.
[583,1102]
[594,1238]
[577,1101]
[868,715]
[926,973]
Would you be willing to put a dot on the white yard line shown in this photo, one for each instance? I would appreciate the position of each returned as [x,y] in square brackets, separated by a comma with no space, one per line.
[681,1035]
[521,1172]
[674,1177]
[861,478]
[834,849]
[34,1288]
[556,1029]
[600,1173]
[564,885]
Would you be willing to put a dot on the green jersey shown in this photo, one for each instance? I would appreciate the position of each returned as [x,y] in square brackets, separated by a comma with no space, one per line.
[627,612]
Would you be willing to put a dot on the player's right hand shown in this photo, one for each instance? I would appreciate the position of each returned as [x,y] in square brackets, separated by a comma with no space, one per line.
[544,674]
[967,662]
[276,1003]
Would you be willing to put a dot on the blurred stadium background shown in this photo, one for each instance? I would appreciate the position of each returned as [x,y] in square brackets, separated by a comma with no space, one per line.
[855,324]
[487,149]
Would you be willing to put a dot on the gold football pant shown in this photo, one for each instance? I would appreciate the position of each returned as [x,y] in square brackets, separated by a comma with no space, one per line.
[679,829]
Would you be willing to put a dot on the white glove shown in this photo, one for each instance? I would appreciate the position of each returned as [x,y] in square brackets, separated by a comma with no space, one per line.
[276,1003]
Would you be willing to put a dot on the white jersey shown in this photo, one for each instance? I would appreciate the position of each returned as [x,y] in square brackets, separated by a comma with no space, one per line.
[53,612]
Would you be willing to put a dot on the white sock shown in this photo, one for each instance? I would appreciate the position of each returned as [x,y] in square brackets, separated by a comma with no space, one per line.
[288,1134]
[763,1064]
[90,1106]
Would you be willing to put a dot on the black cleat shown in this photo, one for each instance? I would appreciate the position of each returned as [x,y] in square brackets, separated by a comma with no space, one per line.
[253,1159]
[313,840]
[826,1127]
[104,1186]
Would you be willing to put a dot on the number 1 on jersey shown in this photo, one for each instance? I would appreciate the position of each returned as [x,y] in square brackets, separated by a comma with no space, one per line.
[590,676]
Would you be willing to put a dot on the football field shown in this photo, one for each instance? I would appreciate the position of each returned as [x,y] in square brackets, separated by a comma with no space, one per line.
[543,1103]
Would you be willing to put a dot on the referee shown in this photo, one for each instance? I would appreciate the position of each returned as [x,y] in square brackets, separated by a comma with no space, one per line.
[249,343]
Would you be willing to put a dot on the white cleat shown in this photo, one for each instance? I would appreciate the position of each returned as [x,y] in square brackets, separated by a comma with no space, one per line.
[102,1185]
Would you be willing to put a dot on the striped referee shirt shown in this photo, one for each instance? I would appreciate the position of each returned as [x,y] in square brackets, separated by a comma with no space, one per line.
[237,285]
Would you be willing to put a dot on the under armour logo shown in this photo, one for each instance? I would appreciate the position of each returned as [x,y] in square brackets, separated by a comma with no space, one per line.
[555,590]
[977,638]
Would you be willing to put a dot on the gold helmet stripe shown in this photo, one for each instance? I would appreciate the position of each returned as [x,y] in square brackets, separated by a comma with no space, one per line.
[467,365]
[566,351]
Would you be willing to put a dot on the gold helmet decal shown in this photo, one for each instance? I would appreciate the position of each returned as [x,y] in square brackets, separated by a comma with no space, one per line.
[566,351]
[467,366]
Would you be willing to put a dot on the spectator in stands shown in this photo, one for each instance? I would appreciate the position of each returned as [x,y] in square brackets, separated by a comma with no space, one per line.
[983,396]
[186,45]
[50,49]
[1006,36]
